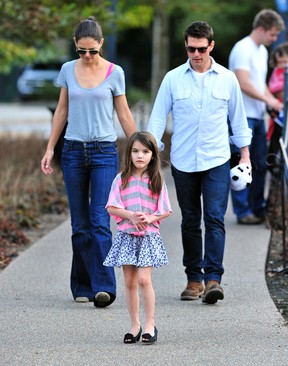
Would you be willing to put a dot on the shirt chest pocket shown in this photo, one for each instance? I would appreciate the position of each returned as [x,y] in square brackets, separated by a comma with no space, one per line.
[182,100]
[182,94]
[219,101]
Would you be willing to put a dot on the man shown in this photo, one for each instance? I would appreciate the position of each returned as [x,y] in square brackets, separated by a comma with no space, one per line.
[249,61]
[201,94]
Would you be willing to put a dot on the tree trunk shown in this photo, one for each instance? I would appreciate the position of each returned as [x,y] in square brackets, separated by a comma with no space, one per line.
[160,49]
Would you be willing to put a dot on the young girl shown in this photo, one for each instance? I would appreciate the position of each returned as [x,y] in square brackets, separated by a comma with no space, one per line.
[138,201]
[278,60]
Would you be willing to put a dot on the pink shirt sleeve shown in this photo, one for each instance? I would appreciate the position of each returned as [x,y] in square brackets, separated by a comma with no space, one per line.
[164,205]
[114,198]
[276,82]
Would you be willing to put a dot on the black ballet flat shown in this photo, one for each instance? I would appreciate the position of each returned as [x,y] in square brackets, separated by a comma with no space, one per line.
[130,338]
[148,339]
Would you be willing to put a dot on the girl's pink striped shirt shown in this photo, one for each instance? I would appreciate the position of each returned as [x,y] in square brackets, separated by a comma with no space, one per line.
[138,197]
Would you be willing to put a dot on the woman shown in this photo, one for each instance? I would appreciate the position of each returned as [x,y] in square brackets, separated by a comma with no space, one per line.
[91,87]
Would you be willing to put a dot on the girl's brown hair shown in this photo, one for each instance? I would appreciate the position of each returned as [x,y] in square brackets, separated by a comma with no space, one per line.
[153,168]
[280,51]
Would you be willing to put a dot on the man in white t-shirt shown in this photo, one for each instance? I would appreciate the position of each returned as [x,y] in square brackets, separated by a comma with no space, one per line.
[249,61]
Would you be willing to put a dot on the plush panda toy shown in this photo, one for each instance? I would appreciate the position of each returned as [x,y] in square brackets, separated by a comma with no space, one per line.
[240,177]
[240,174]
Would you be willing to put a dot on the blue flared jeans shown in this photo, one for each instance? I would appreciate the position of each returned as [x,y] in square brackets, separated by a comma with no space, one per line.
[203,262]
[89,169]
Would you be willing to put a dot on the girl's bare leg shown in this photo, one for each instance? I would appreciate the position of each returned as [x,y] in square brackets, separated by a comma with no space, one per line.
[148,296]
[132,297]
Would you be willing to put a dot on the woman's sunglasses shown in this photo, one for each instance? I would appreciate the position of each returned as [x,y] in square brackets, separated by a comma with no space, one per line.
[83,52]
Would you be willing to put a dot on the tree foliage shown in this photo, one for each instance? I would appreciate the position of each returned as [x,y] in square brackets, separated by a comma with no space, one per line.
[31,28]
[230,19]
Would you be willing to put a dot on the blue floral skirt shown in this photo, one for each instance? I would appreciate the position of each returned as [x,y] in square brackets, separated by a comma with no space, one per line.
[139,251]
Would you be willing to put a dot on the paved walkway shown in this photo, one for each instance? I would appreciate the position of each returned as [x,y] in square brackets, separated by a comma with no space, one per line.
[41,325]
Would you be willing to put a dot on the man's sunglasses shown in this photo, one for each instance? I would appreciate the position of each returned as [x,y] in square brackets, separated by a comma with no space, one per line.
[83,52]
[199,49]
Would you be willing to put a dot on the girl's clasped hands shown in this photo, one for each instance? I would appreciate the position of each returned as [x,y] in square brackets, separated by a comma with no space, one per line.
[140,220]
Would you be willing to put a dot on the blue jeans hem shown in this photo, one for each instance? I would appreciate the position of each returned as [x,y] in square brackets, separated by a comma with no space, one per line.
[213,277]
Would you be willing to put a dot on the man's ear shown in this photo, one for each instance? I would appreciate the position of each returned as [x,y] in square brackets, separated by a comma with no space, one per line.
[212,44]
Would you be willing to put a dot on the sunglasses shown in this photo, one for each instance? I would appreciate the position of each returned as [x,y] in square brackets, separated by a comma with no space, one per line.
[199,49]
[83,52]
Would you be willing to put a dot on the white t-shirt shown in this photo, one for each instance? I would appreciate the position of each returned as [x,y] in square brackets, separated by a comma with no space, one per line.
[246,55]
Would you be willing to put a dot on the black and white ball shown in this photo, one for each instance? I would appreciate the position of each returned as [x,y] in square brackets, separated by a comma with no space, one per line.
[240,177]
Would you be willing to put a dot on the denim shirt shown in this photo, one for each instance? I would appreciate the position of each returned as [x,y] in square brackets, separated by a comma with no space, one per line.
[200,107]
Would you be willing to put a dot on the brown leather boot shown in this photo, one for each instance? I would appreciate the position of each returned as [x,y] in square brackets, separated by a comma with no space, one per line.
[193,291]
[213,292]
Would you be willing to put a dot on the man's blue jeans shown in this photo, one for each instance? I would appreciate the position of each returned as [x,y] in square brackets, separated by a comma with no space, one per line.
[89,169]
[251,200]
[213,186]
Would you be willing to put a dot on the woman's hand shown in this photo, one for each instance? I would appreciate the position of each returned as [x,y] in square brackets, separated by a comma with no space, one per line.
[46,162]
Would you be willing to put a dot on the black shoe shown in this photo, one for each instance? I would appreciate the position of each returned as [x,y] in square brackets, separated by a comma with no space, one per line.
[130,338]
[102,299]
[148,339]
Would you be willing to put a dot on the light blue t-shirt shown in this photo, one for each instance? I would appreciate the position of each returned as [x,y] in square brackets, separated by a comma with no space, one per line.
[90,112]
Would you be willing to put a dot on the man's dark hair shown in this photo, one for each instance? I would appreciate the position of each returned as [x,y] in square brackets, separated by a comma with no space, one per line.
[199,30]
